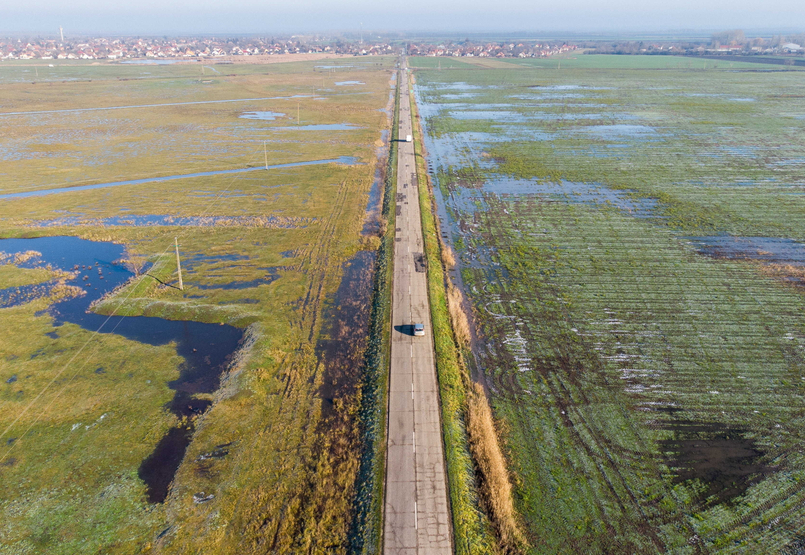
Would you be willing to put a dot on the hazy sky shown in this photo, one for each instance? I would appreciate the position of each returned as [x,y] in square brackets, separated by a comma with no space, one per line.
[272,16]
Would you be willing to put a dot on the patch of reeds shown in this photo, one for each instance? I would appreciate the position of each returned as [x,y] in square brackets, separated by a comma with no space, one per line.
[448,257]
[455,303]
[496,487]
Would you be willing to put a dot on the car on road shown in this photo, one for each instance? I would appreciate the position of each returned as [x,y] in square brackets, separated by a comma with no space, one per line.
[419,329]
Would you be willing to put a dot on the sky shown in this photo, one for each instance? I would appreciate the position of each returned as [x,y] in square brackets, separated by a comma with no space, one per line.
[157,17]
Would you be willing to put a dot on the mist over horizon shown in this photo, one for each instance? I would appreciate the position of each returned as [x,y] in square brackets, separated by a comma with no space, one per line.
[93,17]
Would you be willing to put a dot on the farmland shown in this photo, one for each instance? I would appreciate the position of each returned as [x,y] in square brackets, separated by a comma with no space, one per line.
[629,234]
[246,384]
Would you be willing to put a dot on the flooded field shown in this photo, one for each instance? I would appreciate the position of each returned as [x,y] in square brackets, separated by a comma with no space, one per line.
[138,408]
[631,242]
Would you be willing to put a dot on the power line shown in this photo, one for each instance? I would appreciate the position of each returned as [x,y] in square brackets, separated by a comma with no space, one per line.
[161,261]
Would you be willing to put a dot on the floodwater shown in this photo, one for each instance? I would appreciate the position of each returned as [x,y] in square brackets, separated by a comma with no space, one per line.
[619,130]
[724,461]
[347,160]
[345,331]
[103,108]
[574,193]
[206,348]
[348,83]
[371,222]
[271,276]
[148,220]
[767,249]
[265,116]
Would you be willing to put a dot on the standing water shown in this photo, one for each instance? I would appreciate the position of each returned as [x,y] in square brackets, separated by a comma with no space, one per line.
[206,348]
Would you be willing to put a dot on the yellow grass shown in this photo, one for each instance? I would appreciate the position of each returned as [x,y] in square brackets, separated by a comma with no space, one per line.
[448,258]
[455,302]
[495,485]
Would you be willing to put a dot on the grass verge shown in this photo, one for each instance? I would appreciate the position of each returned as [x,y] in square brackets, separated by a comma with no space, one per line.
[472,529]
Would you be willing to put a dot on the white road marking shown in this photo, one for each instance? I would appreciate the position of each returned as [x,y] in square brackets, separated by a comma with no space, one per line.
[416,522]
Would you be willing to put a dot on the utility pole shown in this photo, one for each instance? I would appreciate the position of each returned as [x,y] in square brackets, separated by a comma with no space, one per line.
[178,263]
[265,153]
[297,113]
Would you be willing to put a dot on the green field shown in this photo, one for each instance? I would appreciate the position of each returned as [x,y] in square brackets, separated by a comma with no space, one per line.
[631,243]
[74,437]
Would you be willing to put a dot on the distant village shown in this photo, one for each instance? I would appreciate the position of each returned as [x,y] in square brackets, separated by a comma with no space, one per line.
[725,43]
[100,48]
[491,50]
[194,48]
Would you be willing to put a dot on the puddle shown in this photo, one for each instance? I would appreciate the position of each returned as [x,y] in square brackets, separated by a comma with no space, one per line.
[347,160]
[265,116]
[320,127]
[348,83]
[205,348]
[768,249]
[271,277]
[721,461]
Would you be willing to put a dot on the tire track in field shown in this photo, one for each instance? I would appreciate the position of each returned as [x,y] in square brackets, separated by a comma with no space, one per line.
[600,452]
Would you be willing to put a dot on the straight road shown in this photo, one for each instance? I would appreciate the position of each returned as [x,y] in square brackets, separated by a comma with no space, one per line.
[417,516]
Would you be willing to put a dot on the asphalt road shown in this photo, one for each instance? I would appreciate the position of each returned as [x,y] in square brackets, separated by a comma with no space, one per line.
[417,516]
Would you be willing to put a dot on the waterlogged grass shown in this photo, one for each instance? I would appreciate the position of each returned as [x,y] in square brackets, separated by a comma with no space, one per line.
[85,142]
[471,527]
[649,394]
[611,61]
[13,276]
[435,62]
[263,472]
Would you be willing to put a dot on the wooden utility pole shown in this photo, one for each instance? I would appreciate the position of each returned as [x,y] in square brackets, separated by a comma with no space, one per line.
[265,153]
[178,263]
[297,113]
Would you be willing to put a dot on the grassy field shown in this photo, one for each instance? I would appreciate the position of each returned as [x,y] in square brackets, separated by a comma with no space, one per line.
[265,251]
[631,243]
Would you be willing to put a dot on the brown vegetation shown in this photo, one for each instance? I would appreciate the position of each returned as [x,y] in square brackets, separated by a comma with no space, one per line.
[461,326]
[495,485]
[448,258]
[788,273]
